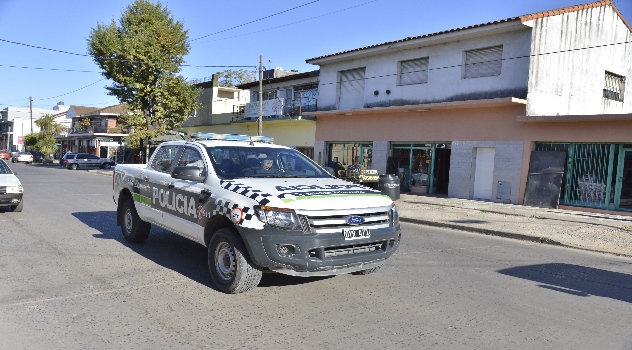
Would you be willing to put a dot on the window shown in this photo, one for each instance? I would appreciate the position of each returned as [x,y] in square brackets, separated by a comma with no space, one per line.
[269,95]
[483,62]
[614,87]
[191,157]
[413,71]
[162,159]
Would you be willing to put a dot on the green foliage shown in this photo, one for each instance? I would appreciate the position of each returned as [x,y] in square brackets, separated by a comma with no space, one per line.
[142,55]
[231,78]
[29,140]
[84,123]
[44,141]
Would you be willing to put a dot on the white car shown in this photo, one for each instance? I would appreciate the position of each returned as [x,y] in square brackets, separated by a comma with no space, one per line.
[11,190]
[23,157]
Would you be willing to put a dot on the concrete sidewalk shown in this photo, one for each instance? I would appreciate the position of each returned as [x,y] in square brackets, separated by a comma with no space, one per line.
[588,231]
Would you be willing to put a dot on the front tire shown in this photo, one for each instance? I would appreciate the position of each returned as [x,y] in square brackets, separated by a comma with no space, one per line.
[231,269]
[74,166]
[106,166]
[134,229]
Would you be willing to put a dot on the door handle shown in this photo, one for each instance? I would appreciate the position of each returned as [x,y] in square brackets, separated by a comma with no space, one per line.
[204,195]
[170,185]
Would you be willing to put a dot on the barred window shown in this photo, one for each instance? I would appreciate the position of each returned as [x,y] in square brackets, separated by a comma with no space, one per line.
[614,87]
[413,71]
[483,62]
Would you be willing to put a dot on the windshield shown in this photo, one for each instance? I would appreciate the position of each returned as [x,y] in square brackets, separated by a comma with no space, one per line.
[237,162]
[4,168]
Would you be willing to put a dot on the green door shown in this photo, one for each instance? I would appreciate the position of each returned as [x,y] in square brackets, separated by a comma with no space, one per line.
[623,189]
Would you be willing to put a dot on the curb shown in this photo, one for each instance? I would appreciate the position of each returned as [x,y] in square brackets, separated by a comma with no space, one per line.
[503,234]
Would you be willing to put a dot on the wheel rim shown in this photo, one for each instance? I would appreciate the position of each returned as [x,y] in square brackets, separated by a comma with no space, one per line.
[128,221]
[75,166]
[225,261]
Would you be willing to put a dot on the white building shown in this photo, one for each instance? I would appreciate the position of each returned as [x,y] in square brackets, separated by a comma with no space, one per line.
[17,122]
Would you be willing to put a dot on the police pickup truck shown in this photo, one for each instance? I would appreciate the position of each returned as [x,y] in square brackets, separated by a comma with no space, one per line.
[257,207]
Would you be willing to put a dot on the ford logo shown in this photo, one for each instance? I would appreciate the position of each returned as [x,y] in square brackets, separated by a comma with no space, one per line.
[355,220]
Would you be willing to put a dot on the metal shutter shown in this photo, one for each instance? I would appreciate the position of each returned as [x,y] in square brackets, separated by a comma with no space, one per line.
[351,89]
[413,71]
[483,62]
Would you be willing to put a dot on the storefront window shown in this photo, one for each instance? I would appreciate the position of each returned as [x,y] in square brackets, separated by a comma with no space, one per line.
[415,162]
[341,156]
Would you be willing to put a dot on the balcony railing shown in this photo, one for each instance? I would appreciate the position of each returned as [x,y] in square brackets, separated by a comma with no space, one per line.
[93,130]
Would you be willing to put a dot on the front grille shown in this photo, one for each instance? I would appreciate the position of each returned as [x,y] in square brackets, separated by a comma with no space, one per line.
[321,253]
[333,221]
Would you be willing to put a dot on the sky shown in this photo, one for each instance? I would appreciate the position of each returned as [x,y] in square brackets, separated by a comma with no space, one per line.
[43,44]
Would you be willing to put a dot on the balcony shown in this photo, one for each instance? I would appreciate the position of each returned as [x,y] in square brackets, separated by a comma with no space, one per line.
[97,130]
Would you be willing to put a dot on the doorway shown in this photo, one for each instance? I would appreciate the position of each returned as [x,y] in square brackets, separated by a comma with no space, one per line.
[484,173]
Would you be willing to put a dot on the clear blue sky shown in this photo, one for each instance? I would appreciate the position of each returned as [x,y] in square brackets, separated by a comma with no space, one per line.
[233,33]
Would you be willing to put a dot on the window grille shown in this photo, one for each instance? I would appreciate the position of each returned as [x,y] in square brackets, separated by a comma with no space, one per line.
[614,87]
[413,71]
[483,62]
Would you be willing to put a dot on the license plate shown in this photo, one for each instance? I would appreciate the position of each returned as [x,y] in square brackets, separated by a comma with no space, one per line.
[356,233]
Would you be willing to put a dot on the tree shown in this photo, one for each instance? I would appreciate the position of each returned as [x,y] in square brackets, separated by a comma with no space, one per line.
[231,78]
[142,56]
[44,141]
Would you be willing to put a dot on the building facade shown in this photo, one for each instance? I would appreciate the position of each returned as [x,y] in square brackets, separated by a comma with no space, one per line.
[17,122]
[466,111]
[94,130]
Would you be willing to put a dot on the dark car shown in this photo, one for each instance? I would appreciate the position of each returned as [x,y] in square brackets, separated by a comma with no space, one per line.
[62,160]
[38,157]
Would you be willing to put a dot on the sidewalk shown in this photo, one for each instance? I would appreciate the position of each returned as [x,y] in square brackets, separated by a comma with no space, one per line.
[588,231]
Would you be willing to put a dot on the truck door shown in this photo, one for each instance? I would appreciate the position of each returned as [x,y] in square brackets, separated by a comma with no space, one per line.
[187,198]
[152,184]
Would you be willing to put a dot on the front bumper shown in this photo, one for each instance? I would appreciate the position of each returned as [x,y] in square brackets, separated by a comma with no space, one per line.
[299,254]
[10,199]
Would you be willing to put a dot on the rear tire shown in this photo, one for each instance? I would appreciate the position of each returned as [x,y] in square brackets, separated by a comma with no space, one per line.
[134,229]
[18,208]
[231,269]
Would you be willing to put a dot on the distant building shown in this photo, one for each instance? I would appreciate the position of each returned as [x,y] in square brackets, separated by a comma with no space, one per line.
[17,122]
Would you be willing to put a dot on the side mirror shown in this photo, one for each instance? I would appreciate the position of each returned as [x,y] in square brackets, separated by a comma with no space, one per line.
[189,173]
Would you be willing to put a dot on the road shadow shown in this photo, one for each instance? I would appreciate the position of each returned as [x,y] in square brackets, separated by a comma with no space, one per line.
[576,280]
[174,252]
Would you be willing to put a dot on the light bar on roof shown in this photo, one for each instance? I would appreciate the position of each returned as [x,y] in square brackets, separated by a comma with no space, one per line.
[230,137]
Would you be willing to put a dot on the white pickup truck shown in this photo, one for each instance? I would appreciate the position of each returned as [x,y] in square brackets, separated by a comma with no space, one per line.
[256,206]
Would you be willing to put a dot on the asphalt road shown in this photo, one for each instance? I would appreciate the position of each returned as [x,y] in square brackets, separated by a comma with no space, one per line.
[70,281]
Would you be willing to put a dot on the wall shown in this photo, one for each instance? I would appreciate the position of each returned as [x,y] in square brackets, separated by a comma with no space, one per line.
[445,82]
[572,81]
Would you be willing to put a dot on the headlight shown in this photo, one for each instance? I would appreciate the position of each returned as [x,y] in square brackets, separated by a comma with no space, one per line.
[15,189]
[393,215]
[282,218]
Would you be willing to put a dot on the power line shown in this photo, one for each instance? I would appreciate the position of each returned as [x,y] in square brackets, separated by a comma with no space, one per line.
[257,20]
[68,93]
[289,24]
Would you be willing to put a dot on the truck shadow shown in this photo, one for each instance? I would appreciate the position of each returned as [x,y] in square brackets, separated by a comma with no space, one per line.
[576,280]
[174,252]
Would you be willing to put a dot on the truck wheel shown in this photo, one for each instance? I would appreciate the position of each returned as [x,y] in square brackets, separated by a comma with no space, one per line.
[133,228]
[367,271]
[229,263]
[74,166]
[18,208]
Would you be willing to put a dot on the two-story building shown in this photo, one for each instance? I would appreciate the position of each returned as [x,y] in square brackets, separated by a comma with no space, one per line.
[460,112]
[93,130]
[286,95]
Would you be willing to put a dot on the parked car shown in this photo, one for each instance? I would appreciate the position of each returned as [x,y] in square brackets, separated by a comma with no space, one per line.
[5,155]
[11,190]
[87,160]
[38,157]
[24,157]
[62,160]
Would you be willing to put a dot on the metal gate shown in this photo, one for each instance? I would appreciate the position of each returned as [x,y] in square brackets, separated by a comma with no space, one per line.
[589,179]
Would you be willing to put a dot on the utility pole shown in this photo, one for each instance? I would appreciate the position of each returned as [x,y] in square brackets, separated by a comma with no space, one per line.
[260,119]
[31,109]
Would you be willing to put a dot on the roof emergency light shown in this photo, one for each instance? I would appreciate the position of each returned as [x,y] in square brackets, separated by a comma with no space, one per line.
[230,137]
